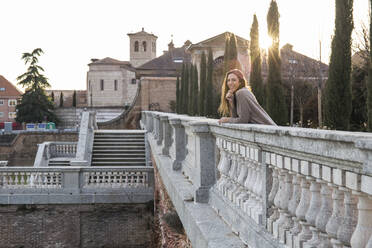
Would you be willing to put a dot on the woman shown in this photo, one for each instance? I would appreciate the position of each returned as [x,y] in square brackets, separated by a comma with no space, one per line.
[238,101]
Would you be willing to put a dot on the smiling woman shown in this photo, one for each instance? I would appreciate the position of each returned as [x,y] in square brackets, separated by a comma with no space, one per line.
[238,101]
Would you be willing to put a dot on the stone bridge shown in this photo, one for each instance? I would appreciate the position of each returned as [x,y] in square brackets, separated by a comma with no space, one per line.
[262,186]
[231,185]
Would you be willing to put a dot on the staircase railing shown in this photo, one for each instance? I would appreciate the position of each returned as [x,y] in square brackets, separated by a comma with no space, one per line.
[77,153]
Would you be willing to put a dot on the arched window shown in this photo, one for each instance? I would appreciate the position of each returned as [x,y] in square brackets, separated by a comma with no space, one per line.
[144,46]
[136,46]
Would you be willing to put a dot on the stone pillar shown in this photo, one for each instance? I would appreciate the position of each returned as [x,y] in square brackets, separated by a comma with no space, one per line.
[150,122]
[159,130]
[167,135]
[205,175]
[179,142]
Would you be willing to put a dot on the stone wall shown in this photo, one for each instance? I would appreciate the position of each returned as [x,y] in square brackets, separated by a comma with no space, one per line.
[99,225]
[124,93]
[157,93]
[23,149]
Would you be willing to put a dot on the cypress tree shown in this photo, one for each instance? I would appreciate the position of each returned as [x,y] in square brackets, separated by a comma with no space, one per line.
[195,91]
[178,95]
[337,97]
[191,90]
[186,91]
[369,82]
[276,104]
[226,56]
[74,99]
[182,92]
[52,96]
[61,99]
[255,78]
[209,102]
[203,84]
[233,54]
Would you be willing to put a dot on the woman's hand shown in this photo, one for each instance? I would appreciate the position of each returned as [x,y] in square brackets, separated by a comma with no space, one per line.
[223,120]
[230,96]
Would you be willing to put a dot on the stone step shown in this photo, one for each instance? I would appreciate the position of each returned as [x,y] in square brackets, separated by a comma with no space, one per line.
[118,163]
[106,131]
[117,149]
[133,136]
[118,143]
[59,163]
[105,154]
[118,140]
[118,159]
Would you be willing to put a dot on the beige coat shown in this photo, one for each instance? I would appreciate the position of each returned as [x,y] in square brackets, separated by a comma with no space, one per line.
[248,110]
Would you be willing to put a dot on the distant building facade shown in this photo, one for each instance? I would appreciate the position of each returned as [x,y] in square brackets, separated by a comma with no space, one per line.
[113,83]
[296,66]
[217,44]
[9,97]
[159,76]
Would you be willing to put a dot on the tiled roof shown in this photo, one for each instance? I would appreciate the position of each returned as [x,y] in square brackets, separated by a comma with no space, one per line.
[171,60]
[109,61]
[10,89]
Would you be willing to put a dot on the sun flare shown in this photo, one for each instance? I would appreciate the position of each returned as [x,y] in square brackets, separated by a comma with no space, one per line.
[265,41]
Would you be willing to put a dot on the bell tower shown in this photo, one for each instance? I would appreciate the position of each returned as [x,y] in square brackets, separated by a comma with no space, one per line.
[142,47]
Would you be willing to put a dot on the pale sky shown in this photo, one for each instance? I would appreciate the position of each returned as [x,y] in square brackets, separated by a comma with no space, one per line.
[71,32]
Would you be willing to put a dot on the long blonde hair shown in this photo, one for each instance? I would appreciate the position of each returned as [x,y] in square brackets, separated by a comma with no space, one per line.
[224,108]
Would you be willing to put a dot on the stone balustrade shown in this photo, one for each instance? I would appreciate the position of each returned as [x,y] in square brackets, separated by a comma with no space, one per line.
[273,186]
[43,185]
[75,153]
[62,149]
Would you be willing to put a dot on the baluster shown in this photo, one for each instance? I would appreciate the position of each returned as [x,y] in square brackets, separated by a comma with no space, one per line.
[349,221]
[125,178]
[250,202]
[22,179]
[363,229]
[230,175]
[121,183]
[301,231]
[284,222]
[278,200]
[274,196]
[241,179]
[292,206]
[335,221]
[233,178]
[271,197]
[324,213]
[28,179]
[313,211]
[11,179]
[224,168]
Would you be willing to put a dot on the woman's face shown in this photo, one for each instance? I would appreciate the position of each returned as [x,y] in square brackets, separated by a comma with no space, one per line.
[232,82]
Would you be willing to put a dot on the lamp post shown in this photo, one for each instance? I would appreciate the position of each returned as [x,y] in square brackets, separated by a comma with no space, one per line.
[320,121]
[292,63]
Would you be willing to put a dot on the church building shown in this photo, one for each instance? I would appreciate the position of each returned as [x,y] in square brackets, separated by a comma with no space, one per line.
[113,83]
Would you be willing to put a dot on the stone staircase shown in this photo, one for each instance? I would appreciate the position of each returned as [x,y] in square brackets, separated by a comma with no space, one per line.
[70,117]
[119,148]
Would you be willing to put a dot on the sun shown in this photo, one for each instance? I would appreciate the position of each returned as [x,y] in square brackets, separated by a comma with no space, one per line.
[265,41]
